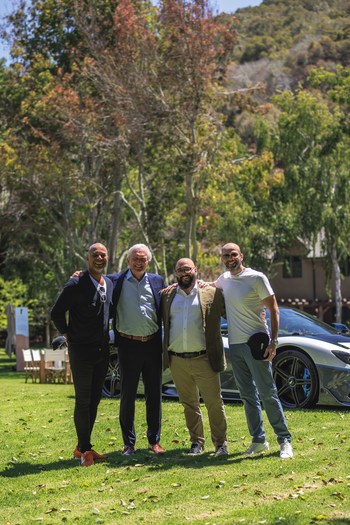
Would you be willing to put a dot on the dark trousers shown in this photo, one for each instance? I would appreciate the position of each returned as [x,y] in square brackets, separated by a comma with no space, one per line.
[89,372]
[140,359]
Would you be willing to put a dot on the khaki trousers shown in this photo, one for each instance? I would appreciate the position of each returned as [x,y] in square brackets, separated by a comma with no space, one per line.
[194,377]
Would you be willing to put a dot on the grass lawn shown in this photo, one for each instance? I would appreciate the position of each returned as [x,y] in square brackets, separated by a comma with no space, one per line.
[40,482]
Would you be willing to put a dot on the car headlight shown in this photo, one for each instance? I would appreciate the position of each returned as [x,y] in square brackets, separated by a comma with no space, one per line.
[343,356]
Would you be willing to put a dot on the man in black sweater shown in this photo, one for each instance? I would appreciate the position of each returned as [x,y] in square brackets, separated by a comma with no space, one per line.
[87,299]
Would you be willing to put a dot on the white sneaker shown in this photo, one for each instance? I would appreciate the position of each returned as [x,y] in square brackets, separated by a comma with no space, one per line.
[286,450]
[256,448]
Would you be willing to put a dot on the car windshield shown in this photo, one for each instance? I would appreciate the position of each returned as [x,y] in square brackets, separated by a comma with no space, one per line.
[294,322]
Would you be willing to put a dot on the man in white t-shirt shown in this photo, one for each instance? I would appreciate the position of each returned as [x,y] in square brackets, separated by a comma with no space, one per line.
[246,293]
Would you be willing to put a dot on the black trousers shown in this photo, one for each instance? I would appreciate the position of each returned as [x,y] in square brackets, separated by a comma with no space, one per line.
[89,371]
[140,359]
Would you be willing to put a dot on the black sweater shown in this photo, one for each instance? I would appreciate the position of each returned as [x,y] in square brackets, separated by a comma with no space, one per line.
[88,318]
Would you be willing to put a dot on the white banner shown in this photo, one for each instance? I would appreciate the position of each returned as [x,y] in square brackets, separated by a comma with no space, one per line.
[22,325]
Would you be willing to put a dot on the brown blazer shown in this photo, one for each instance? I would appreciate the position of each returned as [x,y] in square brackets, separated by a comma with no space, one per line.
[212,307]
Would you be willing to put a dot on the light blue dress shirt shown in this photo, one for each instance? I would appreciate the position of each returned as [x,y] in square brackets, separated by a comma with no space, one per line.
[136,308]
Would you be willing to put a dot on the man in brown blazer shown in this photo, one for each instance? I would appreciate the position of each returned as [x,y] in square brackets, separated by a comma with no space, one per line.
[193,350]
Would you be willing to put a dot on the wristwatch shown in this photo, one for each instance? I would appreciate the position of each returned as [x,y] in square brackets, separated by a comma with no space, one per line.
[274,342]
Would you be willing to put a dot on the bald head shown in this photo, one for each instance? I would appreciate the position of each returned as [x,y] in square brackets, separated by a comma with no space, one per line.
[97,258]
[184,262]
[232,257]
[97,246]
[229,247]
[186,274]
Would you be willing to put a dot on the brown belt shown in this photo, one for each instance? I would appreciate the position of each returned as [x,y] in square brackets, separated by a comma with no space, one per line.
[142,338]
[187,355]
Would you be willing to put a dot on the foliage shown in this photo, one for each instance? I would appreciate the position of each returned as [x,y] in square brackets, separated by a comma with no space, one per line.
[336,84]
[127,122]
[12,292]
[314,150]
[284,28]
[100,116]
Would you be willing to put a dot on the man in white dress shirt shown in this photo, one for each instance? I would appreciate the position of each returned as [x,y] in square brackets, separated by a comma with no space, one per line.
[194,351]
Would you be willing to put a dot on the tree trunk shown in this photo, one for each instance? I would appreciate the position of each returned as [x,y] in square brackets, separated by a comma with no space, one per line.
[47,332]
[337,284]
[164,263]
[191,235]
[116,217]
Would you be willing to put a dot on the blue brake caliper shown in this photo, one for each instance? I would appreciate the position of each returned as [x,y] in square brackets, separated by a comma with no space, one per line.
[306,376]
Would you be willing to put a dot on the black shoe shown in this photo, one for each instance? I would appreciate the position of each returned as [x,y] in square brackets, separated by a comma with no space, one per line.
[128,451]
[221,450]
[196,448]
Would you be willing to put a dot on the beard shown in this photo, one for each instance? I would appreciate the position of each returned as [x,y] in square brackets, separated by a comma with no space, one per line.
[233,265]
[187,284]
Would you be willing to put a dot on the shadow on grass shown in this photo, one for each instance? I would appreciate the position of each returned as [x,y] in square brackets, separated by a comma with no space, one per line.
[295,520]
[167,461]
[338,521]
[8,367]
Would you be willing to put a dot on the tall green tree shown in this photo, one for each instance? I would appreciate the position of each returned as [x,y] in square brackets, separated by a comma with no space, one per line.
[314,150]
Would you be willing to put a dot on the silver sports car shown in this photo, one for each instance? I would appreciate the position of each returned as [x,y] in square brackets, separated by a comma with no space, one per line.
[312,364]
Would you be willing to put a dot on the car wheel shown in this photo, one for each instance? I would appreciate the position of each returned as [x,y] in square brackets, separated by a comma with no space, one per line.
[111,387]
[296,379]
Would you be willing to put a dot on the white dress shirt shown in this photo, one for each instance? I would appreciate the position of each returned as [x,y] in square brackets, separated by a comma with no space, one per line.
[186,324]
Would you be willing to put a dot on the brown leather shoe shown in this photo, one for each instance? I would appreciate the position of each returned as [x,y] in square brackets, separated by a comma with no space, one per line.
[157,449]
[87,459]
[77,454]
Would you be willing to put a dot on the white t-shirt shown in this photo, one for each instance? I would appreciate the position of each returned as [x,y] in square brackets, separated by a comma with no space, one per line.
[243,294]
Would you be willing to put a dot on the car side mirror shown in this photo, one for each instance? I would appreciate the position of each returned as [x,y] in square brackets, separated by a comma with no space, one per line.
[341,328]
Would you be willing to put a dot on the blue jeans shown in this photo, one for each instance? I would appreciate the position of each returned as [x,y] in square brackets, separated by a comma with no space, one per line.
[255,382]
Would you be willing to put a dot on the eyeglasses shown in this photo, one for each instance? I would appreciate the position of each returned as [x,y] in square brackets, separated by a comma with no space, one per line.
[230,255]
[184,270]
[102,292]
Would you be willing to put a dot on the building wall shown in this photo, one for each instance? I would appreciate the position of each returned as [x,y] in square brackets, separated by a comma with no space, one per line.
[309,286]
[309,291]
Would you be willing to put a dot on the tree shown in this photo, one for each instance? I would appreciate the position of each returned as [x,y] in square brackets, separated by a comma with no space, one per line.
[156,84]
[116,133]
[194,50]
[314,150]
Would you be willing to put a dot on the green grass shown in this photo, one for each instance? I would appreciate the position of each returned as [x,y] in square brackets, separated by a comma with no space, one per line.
[40,482]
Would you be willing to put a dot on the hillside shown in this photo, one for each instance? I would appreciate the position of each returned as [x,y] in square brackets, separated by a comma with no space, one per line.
[280,40]
[279,28]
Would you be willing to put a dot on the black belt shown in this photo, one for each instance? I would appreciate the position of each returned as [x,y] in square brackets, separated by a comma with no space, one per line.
[187,355]
[142,338]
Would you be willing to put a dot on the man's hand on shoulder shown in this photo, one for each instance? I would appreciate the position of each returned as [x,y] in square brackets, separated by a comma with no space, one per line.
[204,284]
[169,288]
[76,274]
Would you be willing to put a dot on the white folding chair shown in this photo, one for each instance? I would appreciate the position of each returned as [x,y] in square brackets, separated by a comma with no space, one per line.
[36,359]
[56,367]
[31,369]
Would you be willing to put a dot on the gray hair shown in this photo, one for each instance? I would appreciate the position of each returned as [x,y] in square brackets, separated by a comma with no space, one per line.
[139,247]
